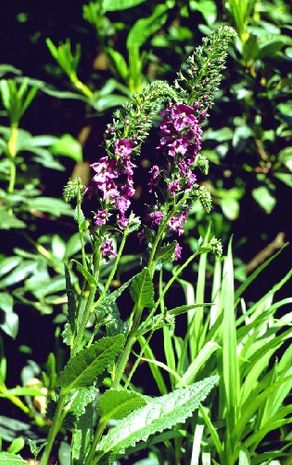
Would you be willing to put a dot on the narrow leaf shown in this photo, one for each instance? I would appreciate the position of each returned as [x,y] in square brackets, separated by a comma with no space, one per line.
[142,291]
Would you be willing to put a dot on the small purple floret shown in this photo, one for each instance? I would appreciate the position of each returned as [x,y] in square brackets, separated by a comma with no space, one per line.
[107,249]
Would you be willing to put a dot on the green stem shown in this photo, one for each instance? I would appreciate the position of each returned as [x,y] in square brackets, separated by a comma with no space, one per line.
[85,318]
[114,269]
[12,177]
[54,429]
[79,200]
[12,151]
[98,434]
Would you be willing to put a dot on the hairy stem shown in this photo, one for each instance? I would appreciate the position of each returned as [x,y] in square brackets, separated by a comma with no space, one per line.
[54,429]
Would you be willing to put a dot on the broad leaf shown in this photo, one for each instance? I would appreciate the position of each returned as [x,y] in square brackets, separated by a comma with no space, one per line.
[142,291]
[83,369]
[117,404]
[159,414]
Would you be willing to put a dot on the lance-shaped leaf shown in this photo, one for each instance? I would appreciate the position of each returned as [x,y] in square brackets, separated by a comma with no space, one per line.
[157,415]
[11,459]
[117,404]
[83,369]
[165,253]
[142,291]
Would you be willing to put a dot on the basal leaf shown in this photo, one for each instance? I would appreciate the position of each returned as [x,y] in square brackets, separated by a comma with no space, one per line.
[159,414]
[117,404]
[83,369]
[142,291]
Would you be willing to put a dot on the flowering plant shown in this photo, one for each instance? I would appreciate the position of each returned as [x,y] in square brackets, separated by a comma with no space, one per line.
[95,403]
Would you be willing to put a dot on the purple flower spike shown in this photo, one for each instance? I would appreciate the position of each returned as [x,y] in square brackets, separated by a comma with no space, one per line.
[178,251]
[107,249]
[123,147]
[101,217]
[156,218]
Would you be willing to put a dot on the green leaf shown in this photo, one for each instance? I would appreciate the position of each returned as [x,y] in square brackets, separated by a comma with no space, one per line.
[165,253]
[11,459]
[55,207]
[117,404]
[119,63]
[205,353]
[231,379]
[8,220]
[10,323]
[83,369]
[286,178]
[67,146]
[264,198]
[142,291]
[285,157]
[22,391]
[16,446]
[118,5]
[157,415]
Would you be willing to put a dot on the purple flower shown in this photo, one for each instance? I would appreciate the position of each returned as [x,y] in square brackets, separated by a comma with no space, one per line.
[128,189]
[128,166]
[178,146]
[190,180]
[183,116]
[105,170]
[123,147]
[107,249]
[123,221]
[173,187]
[176,223]
[122,204]
[178,251]
[101,217]
[156,218]
[154,173]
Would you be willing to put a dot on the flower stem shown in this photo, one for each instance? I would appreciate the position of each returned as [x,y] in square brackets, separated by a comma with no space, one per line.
[12,151]
[54,429]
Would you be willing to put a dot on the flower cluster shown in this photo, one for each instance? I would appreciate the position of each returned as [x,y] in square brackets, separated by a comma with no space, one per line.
[113,179]
[181,136]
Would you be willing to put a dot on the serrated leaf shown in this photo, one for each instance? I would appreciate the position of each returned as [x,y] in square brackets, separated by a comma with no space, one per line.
[142,291]
[83,369]
[159,414]
[112,297]
[117,404]
[165,253]
[11,459]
